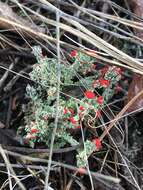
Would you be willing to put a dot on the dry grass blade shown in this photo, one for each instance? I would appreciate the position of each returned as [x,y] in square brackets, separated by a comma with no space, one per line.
[120,114]
[57,100]
[34,159]
[10,169]
[7,12]
[85,35]
[92,39]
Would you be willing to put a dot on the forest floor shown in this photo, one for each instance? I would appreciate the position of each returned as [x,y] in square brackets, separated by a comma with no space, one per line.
[108,32]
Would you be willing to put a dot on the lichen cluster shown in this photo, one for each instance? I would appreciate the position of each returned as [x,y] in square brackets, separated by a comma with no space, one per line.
[85,90]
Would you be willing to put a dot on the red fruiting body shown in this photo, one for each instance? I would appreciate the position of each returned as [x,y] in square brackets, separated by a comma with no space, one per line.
[89,94]
[100,100]
[81,170]
[77,127]
[65,111]
[98,143]
[72,120]
[70,110]
[98,114]
[73,53]
[34,130]
[103,82]
[30,136]
[81,108]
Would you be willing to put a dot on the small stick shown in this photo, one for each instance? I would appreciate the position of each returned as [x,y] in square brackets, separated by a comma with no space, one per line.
[120,114]
[3,79]
[25,150]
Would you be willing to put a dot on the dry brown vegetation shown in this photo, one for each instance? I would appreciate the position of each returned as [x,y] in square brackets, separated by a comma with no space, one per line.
[114,29]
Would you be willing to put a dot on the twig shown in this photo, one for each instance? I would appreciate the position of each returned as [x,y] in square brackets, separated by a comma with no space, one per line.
[120,114]
[35,167]
[49,38]
[26,54]
[25,150]
[57,100]
[9,112]
[15,78]
[73,168]
[7,12]
[81,32]
[3,79]
[9,167]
